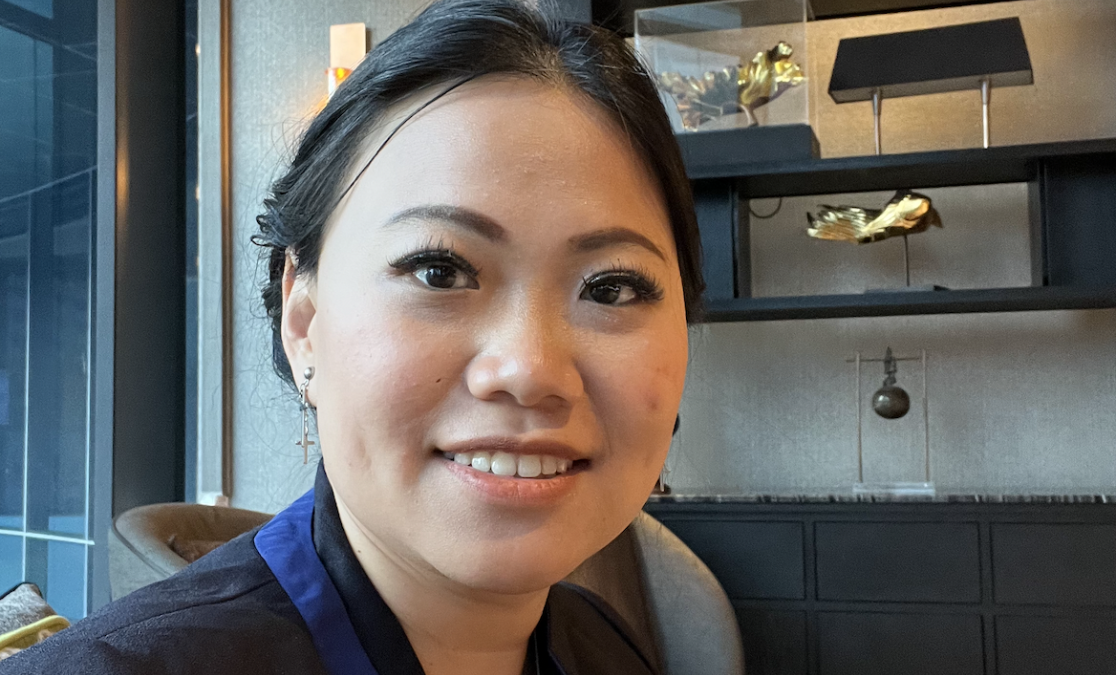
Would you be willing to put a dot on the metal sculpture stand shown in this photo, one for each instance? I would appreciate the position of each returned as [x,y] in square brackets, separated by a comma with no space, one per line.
[877,110]
[923,488]
[985,104]
[877,107]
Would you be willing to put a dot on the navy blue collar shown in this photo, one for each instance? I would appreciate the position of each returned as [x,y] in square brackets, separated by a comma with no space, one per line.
[286,545]
[353,629]
[379,632]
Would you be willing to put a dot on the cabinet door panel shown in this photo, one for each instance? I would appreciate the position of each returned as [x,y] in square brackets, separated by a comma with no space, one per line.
[752,560]
[774,641]
[1039,645]
[899,644]
[898,562]
[1073,564]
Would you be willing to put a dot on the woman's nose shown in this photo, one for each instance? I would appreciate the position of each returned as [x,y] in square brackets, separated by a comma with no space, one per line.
[528,356]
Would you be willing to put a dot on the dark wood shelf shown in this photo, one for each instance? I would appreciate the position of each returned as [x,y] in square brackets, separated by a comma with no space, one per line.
[1071,193]
[617,15]
[944,168]
[909,302]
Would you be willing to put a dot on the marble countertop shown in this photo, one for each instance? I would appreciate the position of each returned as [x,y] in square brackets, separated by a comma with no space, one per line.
[953,497]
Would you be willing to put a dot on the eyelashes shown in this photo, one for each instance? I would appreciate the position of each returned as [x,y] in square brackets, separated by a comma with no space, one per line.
[621,285]
[439,267]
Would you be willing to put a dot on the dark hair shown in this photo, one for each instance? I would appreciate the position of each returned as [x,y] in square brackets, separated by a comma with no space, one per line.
[451,42]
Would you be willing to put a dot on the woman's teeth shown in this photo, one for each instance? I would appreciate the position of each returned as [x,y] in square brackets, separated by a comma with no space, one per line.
[507,464]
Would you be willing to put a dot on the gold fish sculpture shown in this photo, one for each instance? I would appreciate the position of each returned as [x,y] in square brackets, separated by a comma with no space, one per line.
[740,89]
[907,213]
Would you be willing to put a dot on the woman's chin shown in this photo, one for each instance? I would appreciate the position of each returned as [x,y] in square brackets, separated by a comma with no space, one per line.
[510,574]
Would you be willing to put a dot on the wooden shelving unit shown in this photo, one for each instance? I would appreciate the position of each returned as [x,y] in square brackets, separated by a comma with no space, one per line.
[1073,225]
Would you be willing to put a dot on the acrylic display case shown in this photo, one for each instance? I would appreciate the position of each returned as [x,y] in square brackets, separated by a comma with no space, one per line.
[739,65]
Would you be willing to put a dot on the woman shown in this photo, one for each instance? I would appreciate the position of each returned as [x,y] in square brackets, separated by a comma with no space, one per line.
[483,259]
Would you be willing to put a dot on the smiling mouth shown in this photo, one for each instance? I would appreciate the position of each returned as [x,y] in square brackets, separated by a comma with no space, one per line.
[506,464]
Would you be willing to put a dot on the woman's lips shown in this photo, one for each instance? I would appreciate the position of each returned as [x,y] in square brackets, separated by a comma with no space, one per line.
[507,464]
[506,479]
[514,491]
[513,446]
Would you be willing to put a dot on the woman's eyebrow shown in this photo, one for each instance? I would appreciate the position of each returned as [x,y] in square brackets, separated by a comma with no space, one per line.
[488,228]
[593,241]
[466,219]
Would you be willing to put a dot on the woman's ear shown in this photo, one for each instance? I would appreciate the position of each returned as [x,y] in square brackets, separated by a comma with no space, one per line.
[299,308]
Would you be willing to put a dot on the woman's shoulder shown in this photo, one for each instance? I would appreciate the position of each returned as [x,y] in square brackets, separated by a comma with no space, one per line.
[225,613]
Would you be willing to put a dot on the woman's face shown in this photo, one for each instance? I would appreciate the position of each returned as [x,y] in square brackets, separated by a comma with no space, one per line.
[499,294]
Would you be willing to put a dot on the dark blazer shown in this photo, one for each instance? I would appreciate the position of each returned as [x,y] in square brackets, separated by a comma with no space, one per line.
[228,614]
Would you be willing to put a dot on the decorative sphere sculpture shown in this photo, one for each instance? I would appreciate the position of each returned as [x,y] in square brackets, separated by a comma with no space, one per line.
[891,402]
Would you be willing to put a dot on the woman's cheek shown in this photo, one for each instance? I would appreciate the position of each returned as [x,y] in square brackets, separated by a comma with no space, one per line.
[639,395]
[651,376]
[387,381]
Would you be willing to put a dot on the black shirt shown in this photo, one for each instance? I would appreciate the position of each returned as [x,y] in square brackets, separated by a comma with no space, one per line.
[227,614]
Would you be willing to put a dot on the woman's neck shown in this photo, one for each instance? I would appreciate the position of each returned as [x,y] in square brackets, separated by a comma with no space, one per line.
[453,629]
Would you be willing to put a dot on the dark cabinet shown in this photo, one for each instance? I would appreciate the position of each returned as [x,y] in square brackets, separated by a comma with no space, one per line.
[916,588]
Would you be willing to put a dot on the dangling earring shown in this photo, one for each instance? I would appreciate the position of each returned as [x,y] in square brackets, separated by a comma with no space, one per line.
[305,443]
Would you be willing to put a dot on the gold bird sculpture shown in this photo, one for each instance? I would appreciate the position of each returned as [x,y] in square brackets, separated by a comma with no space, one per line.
[907,213]
[740,89]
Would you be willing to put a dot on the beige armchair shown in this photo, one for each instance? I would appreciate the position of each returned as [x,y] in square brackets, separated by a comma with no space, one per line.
[149,543]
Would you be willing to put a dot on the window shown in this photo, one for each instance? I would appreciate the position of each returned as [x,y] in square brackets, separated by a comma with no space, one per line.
[48,83]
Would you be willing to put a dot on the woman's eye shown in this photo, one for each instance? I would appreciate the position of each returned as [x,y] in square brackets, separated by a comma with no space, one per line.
[617,290]
[438,268]
[444,277]
[611,294]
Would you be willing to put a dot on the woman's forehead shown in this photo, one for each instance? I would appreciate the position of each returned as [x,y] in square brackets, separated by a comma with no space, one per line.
[499,118]
[509,147]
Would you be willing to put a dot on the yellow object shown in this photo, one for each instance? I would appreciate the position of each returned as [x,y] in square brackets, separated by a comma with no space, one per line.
[336,77]
[906,213]
[763,78]
[733,90]
[348,43]
[33,633]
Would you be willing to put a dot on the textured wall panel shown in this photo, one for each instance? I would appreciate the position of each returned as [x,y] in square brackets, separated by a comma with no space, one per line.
[280,52]
[1019,402]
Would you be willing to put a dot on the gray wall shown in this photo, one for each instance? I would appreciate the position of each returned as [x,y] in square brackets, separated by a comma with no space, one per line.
[1018,402]
[280,52]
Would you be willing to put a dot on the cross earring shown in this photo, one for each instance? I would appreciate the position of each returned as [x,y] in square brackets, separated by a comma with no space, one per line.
[304,403]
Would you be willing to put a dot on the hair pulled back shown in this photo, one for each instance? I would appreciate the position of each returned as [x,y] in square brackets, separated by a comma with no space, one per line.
[450,42]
